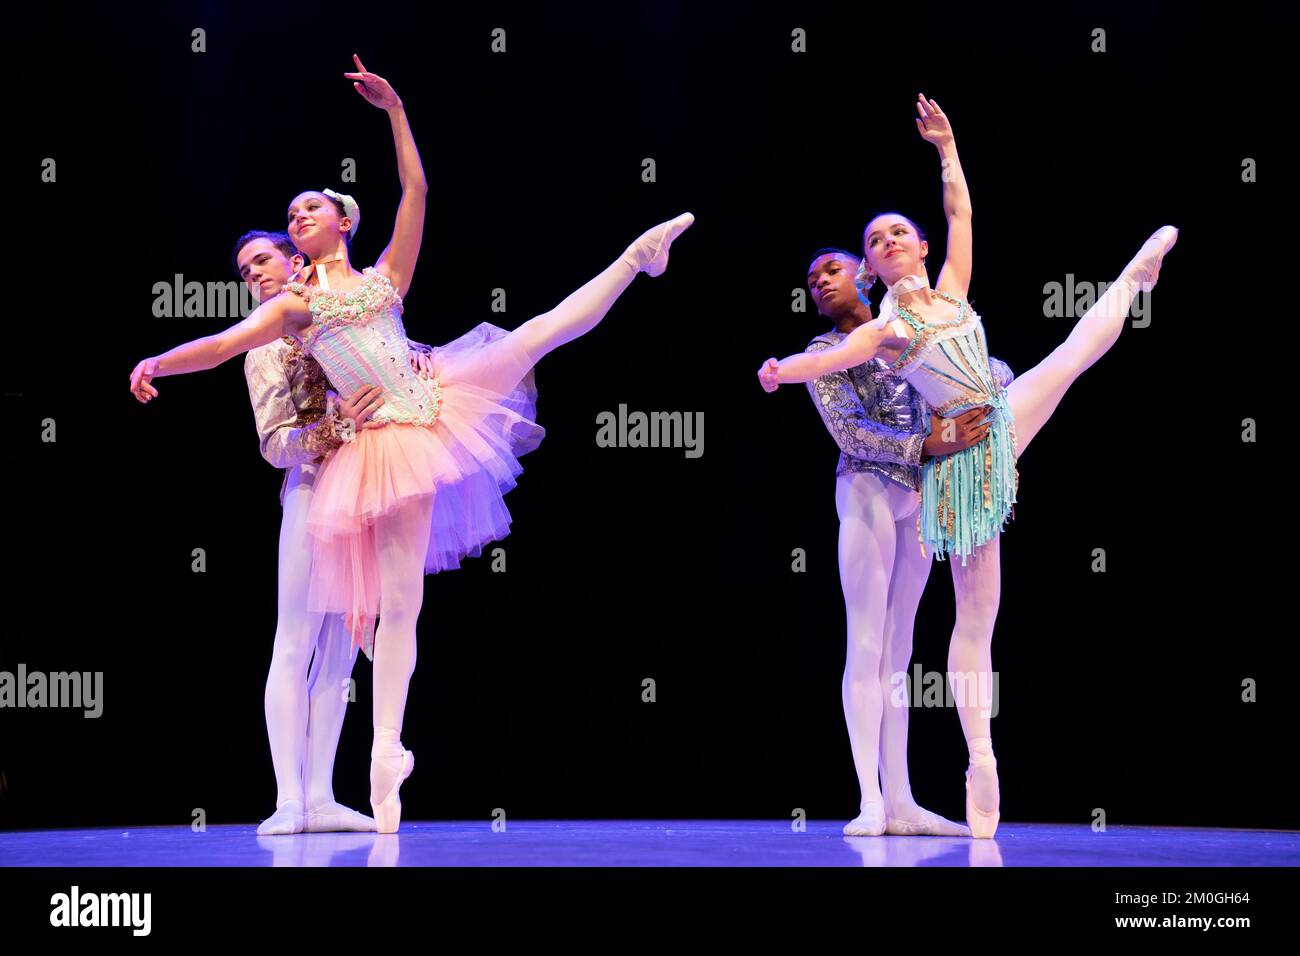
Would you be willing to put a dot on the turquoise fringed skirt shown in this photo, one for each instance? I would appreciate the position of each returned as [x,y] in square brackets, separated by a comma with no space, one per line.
[968,496]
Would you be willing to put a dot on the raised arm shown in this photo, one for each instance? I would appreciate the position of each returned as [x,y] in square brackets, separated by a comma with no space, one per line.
[266,323]
[399,258]
[934,128]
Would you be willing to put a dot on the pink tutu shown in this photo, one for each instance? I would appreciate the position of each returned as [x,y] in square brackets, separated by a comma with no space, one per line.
[465,461]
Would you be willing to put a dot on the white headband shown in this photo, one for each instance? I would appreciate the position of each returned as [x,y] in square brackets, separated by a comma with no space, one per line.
[350,209]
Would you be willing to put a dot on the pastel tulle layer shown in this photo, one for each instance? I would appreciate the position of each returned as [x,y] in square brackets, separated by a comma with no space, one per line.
[394,485]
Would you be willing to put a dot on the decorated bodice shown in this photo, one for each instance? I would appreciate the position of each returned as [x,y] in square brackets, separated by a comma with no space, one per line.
[358,339]
[948,362]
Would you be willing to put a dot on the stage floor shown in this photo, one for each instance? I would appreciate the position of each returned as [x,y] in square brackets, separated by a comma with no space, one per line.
[648,843]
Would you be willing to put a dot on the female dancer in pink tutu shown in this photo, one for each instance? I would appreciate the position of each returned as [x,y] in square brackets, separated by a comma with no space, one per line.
[420,485]
[935,340]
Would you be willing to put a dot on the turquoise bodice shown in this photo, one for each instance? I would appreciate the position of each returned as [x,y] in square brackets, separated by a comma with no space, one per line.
[948,363]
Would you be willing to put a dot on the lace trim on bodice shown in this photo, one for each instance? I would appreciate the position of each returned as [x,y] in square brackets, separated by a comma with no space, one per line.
[409,398]
[962,368]
[331,307]
[926,335]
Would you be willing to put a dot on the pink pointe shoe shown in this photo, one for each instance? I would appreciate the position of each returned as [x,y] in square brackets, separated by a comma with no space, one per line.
[386,756]
[983,823]
[1144,269]
[649,253]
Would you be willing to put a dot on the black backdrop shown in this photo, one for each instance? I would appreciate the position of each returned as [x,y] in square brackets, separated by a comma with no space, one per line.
[1119,691]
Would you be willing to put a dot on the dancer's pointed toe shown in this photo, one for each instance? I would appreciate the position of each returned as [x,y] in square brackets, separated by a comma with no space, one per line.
[388,811]
[983,822]
[649,253]
[1145,267]
[390,765]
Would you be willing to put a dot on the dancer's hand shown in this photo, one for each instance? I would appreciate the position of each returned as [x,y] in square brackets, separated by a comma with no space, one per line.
[421,364]
[361,405]
[373,87]
[932,124]
[887,337]
[950,435]
[767,375]
[140,377]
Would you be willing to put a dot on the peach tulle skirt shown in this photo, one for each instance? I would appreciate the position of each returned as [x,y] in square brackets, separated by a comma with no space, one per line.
[466,461]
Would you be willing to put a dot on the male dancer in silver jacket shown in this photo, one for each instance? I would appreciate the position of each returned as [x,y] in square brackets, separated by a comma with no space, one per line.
[884,430]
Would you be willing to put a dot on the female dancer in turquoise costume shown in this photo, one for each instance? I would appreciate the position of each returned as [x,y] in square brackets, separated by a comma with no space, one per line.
[420,485]
[934,339]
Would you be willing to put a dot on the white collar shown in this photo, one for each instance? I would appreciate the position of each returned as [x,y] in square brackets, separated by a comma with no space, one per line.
[909,283]
[901,286]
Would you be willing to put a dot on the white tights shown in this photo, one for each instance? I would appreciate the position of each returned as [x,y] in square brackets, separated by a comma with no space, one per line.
[882,574]
[977,585]
[311,662]
[402,537]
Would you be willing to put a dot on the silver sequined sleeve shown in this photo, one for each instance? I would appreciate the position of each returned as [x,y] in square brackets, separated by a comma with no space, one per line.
[857,434]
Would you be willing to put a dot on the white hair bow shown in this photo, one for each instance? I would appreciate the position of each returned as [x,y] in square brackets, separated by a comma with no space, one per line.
[350,209]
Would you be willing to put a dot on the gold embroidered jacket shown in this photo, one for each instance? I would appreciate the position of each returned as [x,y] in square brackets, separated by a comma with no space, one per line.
[288,390]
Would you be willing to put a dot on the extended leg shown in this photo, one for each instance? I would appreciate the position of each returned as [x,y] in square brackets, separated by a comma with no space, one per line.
[1033,396]
[579,313]
[501,366]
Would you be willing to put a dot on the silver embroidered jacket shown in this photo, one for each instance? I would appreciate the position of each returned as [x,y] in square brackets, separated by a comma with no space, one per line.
[878,420]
